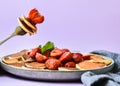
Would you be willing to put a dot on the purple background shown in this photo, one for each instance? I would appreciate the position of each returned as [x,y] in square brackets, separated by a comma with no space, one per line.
[82,25]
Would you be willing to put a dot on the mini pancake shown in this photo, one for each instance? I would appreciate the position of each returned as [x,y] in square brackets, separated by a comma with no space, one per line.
[96,58]
[86,65]
[9,60]
[35,65]
[25,27]
[19,64]
[34,29]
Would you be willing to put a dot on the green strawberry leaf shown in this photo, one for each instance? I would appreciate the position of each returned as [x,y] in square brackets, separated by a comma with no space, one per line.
[48,46]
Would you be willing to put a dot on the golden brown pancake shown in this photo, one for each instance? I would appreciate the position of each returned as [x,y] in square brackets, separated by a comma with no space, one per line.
[34,29]
[9,60]
[18,64]
[97,58]
[35,65]
[25,27]
[86,65]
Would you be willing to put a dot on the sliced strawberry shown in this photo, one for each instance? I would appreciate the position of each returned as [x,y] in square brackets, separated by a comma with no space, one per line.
[52,64]
[70,64]
[65,50]
[38,19]
[35,17]
[86,57]
[40,58]
[56,52]
[65,57]
[77,57]
[33,52]
[47,53]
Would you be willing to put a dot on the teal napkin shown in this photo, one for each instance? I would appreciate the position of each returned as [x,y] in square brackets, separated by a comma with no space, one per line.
[111,78]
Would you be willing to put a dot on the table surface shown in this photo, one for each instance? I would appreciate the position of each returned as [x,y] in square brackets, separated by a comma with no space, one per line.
[7,79]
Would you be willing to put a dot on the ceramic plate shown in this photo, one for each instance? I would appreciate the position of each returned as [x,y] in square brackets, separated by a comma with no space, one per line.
[52,75]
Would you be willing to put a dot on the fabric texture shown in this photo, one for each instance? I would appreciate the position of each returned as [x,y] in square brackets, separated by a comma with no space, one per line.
[111,78]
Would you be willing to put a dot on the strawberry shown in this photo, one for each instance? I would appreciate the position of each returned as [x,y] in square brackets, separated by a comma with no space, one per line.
[33,52]
[86,57]
[47,53]
[77,57]
[40,58]
[65,50]
[56,52]
[65,57]
[70,64]
[52,64]
[35,17]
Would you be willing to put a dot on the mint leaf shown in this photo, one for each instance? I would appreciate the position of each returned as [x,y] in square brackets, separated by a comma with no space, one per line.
[48,46]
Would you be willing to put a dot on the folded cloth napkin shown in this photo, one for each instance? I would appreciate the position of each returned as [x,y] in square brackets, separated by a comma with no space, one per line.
[111,78]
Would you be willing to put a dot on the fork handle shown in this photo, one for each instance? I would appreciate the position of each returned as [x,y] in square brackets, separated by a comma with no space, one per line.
[9,37]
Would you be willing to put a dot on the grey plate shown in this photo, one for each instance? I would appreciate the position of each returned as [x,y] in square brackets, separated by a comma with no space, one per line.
[53,75]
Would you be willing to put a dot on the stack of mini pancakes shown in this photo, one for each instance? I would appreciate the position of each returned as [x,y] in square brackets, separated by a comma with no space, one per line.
[26,25]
